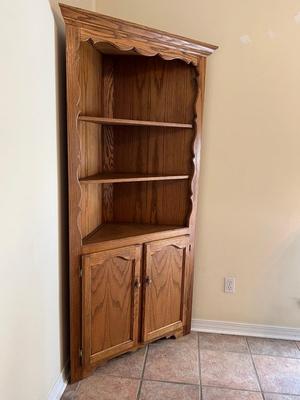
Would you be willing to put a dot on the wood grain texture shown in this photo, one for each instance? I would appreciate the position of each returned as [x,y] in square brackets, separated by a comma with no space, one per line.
[90,136]
[108,232]
[111,236]
[111,300]
[163,92]
[149,202]
[130,118]
[164,286]
[153,150]
[158,90]
[73,95]
[131,122]
[129,36]
[108,136]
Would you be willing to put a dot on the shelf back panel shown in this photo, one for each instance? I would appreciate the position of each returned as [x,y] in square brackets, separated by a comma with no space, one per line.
[160,203]
[143,88]
[149,88]
[164,151]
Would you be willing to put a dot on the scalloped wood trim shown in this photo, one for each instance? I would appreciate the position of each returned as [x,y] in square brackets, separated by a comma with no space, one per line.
[137,47]
[130,36]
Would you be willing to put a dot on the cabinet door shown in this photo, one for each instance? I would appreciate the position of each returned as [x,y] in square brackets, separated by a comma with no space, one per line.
[164,308]
[111,303]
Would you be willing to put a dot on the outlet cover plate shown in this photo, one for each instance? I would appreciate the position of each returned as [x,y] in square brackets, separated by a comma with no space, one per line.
[229,285]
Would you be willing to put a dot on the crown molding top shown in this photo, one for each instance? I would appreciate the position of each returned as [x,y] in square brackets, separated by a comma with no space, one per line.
[130,36]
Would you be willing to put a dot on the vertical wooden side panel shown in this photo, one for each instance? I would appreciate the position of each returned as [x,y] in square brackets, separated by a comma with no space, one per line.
[108,136]
[90,136]
[86,304]
[73,97]
[198,119]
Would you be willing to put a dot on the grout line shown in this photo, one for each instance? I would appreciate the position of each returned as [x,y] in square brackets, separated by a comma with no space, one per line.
[257,377]
[251,391]
[175,382]
[297,396]
[233,389]
[226,351]
[134,378]
[294,342]
[271,355]
[252,352]
[143,371]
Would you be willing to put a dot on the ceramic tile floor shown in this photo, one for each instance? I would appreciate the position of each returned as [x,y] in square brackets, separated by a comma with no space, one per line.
[198,366]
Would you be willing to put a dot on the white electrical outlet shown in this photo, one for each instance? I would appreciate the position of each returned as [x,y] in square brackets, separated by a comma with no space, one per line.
[229,285]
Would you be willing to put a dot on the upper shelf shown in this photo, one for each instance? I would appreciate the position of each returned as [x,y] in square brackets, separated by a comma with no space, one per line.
[130,177]
[132,122]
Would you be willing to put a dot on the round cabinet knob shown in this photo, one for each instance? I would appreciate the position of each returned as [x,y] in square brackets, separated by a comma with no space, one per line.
[148,280]
[137,284]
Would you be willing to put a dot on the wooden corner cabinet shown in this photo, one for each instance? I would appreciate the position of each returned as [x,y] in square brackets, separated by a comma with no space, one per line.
[134,101]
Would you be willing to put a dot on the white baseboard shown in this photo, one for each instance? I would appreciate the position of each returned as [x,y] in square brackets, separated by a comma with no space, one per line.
[238,328]
[60,385]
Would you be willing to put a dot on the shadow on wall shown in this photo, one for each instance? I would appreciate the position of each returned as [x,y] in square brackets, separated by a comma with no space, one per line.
[61,132]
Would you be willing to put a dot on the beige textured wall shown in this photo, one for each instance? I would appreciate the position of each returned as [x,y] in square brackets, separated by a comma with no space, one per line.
[249,209]
[32,250]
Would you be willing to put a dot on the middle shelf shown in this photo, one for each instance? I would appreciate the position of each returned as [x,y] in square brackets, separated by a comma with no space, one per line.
[132,122]
[116,177]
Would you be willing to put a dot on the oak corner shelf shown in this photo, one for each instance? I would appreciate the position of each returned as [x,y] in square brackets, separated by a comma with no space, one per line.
[117,231]
[133,122]
[126,241]
[129,177]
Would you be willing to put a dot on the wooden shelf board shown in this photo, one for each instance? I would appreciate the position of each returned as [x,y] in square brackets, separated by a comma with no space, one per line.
[117,231]
[132,122]
[129,177]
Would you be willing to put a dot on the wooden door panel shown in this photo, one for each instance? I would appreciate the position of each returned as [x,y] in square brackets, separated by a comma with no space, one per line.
[111,301]
[164,286]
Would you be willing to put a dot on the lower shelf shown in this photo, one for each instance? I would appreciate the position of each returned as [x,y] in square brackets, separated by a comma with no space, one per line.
[117,231]
[130,177]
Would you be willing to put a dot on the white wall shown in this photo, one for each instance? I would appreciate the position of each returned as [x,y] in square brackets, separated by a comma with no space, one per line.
[249,208]
[33,347]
